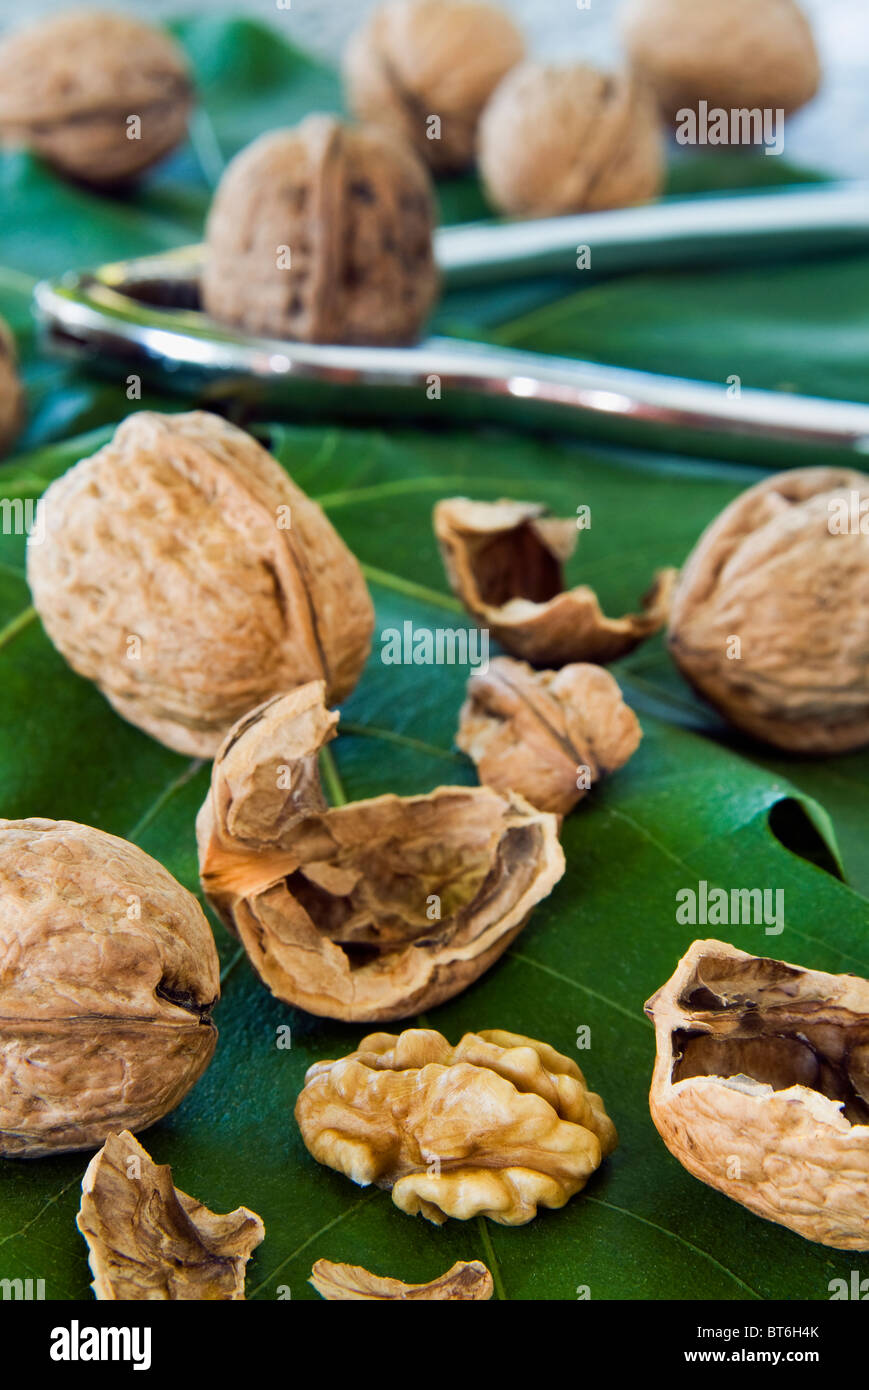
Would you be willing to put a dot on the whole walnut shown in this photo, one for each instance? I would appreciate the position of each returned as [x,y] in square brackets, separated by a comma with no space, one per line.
[746,53]
[186,574]
[100,96]
[426,68]
[109,975]
[11,392]
[770,621]
[555,140]
[323,233]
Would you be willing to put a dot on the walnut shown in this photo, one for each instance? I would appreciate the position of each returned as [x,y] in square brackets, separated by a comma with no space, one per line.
[769,621]
[426,68]
[504,561]
[495,1126]
[372,910]
[149,1241]
[546,734]
[109,977]
[747,53]
[11,392]
[100,96]
[323,233]
[556,140]
[186,574]
[466,1281]
[761,1087]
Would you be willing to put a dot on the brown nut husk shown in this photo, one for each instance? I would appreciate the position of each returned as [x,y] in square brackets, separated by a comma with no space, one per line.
[466,1281]
[372,910]
[323,233]
[150,1241]
[761,1087]
[505,561]
[11,390]
[747,53]
[497,1126]
[557,140]
[109,977]
[784,569]
[72,86]
[548,735]
[186,574]
[418,59]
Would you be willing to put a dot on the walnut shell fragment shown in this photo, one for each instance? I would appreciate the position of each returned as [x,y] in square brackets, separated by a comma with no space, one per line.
[11,390]
[497,1126]
[323,233]
[546,734]
[504,561]
[371,910]
[426,68]
[186,574]
[109,975]
[466,1282]
[556,140]
[101,96]
[150,1241]
[761,1087]
[769,621]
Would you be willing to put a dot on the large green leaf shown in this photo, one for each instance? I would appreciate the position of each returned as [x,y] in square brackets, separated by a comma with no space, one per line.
[695,803]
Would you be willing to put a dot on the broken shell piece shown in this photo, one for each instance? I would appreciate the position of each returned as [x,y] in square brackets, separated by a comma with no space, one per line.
[150,1241]
[372,910]
[546,734]
[467,1281]
[504,561]
[761,1087]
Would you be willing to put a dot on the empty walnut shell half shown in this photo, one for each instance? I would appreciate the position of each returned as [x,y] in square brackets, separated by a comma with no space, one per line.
[556,140]
[426,68]
[109,977]
[504,561]
[150,1241]
[761,1087]
[466,1282]
[186,574]
[100,96]
[769,620]
[372,910]
[546,734]
[323,233]
[497,1126]
[11,391]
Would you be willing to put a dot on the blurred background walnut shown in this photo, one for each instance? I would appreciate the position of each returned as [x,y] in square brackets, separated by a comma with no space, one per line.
[426,68]
[100,96]
[11,392]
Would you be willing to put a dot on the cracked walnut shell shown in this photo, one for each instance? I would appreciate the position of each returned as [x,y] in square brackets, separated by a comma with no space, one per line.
[109,975]
[505,559]
[770,622]
[186,574]
[149,1241]
[761,1087]
[371,910]
[416,60]
[11,391]
[466,1281]
[323,233]
[497,1126]
[72,88]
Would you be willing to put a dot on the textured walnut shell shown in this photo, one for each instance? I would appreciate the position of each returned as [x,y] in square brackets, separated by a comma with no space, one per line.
[336,906]
[466,1282]
[771,572]
[533,732]
[109,977]
[415,59]
[11,391]
[149,1241]
[761,1087]
[184,533]
[504,561]
[746,53]
[556,140]
[353,211]
[69,84]
[496,1126]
